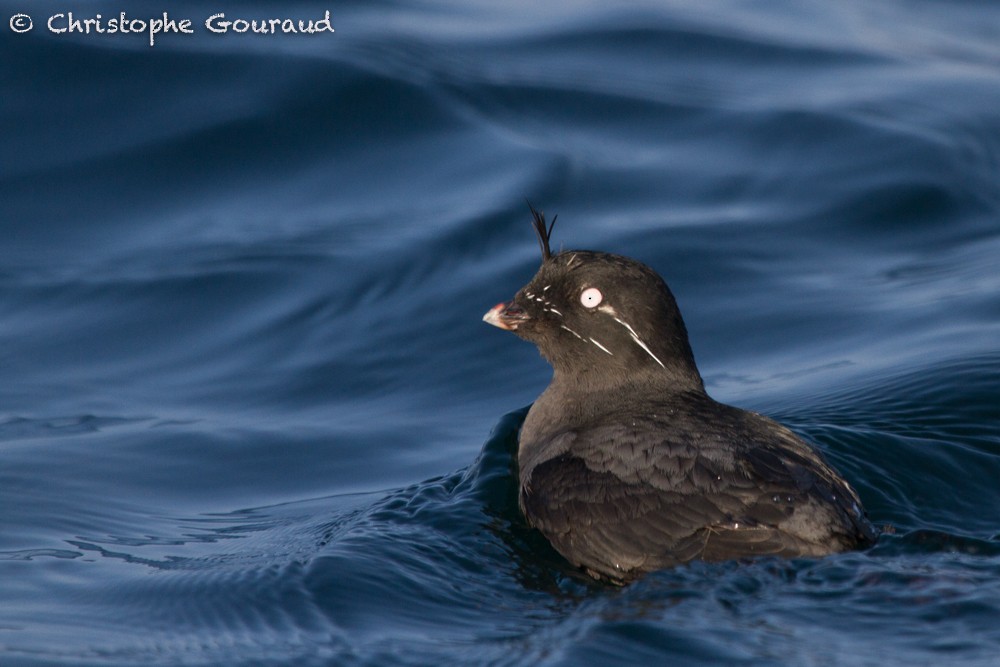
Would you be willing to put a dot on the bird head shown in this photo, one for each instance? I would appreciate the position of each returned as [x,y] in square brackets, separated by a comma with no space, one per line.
[600,318]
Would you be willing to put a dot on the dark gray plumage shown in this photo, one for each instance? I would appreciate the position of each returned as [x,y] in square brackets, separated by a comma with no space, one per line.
[626,464]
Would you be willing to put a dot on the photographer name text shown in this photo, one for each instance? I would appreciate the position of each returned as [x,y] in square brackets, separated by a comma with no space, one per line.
[68,23]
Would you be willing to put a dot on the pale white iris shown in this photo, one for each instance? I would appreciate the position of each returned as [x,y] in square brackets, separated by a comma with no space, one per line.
[591,297]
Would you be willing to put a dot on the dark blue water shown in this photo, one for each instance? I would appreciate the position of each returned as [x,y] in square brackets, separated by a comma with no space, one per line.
[249,413]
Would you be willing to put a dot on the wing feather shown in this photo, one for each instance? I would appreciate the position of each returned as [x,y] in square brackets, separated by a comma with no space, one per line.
[618,502]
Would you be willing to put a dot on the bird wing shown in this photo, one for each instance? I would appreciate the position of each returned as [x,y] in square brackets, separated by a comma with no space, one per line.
[619,501]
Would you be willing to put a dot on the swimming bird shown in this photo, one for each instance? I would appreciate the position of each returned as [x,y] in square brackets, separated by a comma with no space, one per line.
[626,464]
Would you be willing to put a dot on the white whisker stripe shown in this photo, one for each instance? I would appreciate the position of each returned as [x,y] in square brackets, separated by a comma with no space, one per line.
[563,326]
[635,337]
[601,346]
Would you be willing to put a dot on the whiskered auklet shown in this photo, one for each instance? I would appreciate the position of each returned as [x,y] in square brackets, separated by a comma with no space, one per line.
[626,464]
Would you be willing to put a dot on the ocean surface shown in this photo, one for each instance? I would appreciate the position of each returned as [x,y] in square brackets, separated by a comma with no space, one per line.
[249,413]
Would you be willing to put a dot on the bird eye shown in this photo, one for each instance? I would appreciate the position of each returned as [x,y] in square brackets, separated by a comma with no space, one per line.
[591,297]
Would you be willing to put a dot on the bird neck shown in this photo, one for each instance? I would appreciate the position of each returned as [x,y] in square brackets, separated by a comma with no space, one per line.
[639,377]
[575,399]
[588,394]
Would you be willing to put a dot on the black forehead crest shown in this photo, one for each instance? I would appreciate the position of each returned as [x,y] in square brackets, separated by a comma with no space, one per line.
[544,233]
